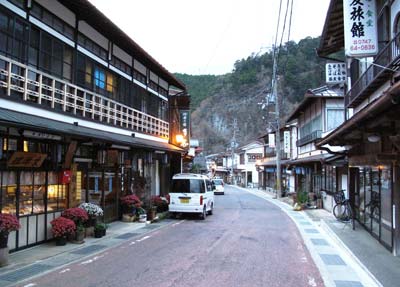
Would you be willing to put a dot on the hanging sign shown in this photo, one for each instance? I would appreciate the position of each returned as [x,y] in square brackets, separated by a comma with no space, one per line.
[184,126]
[286,141]
[360,28]
[335,73]
[26,159]
[271,140]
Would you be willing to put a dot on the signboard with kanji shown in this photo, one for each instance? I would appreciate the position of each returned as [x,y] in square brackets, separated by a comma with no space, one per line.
[335,73]
[286,141]
[26,159]
[184,126]
[360,28]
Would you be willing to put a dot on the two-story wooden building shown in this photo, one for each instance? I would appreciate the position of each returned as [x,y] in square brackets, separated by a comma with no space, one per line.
[86,115]
[371,131]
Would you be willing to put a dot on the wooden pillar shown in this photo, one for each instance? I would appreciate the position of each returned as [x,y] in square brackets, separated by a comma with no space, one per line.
[396,209]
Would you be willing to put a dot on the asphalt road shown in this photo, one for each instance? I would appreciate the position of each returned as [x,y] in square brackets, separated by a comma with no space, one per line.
[246,242]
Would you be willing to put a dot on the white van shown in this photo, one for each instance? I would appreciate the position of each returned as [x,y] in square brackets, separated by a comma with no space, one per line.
[191,193]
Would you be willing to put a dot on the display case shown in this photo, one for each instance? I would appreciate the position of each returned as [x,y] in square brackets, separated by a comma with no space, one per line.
[8,189]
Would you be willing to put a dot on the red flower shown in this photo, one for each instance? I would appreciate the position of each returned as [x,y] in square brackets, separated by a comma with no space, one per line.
[131,201]
[62,226]
[8,223]
[78,215]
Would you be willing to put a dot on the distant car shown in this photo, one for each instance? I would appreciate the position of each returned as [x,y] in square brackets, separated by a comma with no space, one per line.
[219,186]
[191,193]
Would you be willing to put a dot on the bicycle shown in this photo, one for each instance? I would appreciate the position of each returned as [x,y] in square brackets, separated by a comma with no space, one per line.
[342,209]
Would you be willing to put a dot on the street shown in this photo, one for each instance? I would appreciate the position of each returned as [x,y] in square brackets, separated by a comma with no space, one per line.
[246,242]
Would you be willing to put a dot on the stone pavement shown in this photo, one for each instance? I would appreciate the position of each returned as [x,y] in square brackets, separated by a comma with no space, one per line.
[345,257]
[35,261]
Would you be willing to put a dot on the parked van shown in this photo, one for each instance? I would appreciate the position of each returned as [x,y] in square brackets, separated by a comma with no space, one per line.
[191,193]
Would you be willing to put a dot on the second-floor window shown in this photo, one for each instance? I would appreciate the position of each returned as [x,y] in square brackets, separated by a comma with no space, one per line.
[334,118]
[241,160]
[312,125]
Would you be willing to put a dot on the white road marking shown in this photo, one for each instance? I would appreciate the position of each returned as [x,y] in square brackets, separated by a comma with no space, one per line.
[132,243]
[86,262]
[144,238]
[175,224]
[30,285]
[65,270]
[311,281]
[304,259]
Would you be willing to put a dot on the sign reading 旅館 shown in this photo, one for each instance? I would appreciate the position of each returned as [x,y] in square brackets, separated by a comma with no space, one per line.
[360,28]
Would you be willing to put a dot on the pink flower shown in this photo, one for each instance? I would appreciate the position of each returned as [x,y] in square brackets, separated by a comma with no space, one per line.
[8,223]
[62,226]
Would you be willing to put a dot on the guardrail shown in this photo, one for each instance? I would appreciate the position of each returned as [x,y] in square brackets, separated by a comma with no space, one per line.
[309,138]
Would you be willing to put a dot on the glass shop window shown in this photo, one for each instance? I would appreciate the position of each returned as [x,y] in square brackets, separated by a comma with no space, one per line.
[56,193]
[8,188]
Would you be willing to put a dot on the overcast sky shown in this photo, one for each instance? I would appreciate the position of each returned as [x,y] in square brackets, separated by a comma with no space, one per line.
[208,36]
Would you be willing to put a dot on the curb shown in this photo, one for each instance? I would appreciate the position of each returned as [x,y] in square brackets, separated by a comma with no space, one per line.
[339,242]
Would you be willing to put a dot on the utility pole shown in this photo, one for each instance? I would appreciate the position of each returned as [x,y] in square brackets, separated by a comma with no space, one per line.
[233,146]
[277,128]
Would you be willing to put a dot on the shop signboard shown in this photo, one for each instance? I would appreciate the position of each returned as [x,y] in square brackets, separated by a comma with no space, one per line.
[26,159]
[184,126]
[271,140]
[335,73]
[286,141]
[360,28]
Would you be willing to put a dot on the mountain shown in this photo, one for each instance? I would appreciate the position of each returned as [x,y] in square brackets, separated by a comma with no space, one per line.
[243,94]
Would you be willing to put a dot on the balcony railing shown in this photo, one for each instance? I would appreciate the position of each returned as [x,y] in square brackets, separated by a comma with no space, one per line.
[385,64]
[309,138]
[33,86]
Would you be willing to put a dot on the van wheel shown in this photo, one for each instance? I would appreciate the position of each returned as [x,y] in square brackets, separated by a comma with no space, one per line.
[203,215]
[210,212]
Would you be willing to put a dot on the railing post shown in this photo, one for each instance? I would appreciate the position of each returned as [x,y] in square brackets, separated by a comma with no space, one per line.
[9,79]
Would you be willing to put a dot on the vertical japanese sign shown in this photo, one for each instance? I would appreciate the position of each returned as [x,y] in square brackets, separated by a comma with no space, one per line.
[271,140]
[360,28]
[184,126]
[286,141]
[335,73]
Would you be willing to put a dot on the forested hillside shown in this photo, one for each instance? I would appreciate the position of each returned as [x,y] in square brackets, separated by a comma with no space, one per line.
[217,100]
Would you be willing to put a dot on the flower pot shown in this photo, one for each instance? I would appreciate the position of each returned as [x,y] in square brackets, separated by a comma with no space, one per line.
[61,241]
[142,218]
[89,231]
[4,253]
[98,233]
[79,236]
[151,214]
[3,239]
[128,217]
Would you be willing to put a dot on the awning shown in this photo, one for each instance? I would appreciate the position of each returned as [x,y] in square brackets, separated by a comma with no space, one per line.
[273,163]
[310,159]
[25,121]
[350,132]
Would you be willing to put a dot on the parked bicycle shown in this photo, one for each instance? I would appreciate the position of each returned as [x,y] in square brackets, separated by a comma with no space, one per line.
[342,209]
[374,206]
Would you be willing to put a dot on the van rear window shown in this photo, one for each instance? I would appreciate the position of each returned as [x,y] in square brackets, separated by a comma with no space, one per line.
[187,186]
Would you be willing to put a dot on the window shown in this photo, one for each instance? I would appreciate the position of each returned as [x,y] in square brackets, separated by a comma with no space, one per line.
[334,118]
[52,20]
[188,186]
[99,78]
[121,65]
[92,46]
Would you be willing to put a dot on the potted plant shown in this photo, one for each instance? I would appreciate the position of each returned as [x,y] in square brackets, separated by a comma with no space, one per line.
[161,203]
[301,200]
[93,211]
[8,223]
[130,203]
[79,216]
[61,228]
[141,213]
[100,230]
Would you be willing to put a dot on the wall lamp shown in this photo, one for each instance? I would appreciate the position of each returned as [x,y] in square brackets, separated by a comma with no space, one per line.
[374,138]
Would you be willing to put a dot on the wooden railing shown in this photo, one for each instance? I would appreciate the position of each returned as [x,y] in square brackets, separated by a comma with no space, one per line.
[33,86]
[385,64]
[309,138]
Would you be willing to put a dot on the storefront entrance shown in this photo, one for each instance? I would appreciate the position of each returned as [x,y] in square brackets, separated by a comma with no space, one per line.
[373,201]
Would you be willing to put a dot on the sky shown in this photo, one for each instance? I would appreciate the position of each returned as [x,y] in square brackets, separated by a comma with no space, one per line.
[207,36]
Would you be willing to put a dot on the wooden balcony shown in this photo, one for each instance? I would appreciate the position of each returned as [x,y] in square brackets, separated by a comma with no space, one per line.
[27,84]
[385,64]
[309,138]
